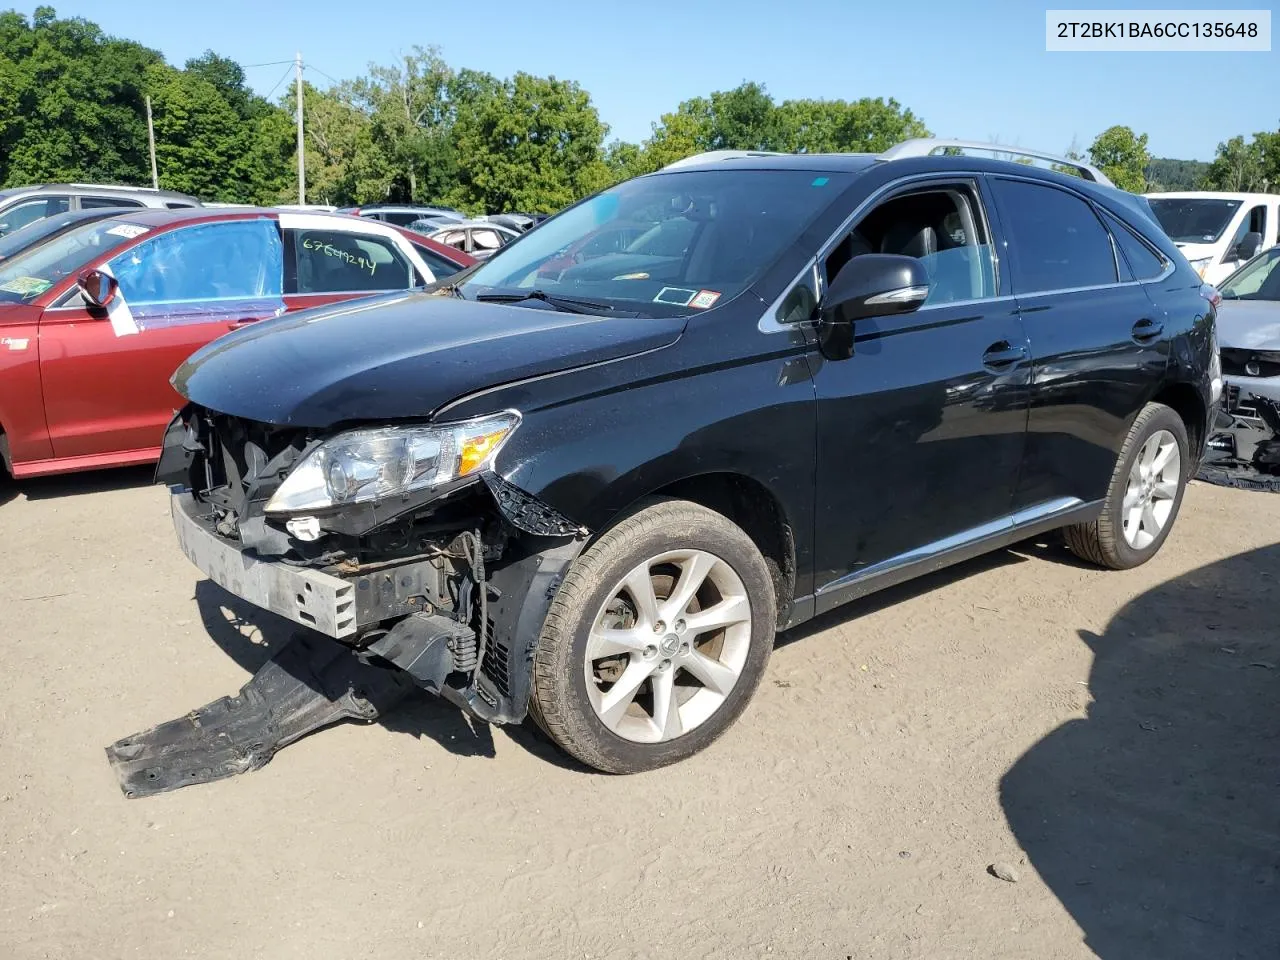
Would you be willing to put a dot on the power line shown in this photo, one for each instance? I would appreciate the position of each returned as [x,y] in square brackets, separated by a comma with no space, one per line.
[269,63]
[281,80]
[331,79]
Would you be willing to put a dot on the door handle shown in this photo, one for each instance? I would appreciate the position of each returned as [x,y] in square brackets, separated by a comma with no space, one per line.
[1146,330]
[1003,354]
[237,324]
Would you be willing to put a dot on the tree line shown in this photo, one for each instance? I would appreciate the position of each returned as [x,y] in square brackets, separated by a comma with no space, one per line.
[72,107]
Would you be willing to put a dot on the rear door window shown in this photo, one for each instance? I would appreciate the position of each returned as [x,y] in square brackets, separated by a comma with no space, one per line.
[484,239]
[29,211]
[1057,241]
[332,261]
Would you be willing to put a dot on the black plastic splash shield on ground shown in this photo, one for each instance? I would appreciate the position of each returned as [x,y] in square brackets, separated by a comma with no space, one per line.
[311,683]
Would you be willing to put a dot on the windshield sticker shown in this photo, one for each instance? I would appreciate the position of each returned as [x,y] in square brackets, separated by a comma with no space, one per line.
[329,250]
[127,230]
[675,295]
[820,181]
[633,276]
[26,286]
[705,299]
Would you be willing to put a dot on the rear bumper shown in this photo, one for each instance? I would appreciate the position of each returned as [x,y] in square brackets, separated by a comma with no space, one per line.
[310,598]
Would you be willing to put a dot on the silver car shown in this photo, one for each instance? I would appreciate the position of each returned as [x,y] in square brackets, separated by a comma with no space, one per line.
[1246,450]
[20,206]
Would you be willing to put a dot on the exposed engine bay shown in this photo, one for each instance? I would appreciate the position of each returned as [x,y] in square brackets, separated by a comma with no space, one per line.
[446,588]
[1244,443]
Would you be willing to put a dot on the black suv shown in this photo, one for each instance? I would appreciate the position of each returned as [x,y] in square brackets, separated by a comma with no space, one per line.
[596,498]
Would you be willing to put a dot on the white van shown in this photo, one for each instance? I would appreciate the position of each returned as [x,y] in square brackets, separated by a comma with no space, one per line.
[1218,232]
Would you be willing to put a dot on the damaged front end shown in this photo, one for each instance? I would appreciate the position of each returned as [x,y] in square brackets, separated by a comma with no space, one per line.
[442,578]
[1244,443]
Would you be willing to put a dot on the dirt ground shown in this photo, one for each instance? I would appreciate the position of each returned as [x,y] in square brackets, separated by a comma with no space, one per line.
[1115,737]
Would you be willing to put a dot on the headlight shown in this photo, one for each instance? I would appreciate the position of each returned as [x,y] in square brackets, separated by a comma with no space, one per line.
[1200,266]
[371,464]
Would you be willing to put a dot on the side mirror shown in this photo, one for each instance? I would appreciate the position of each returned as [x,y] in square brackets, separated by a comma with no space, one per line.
[1249,246]
[97,288]
[870,285]
[875,285]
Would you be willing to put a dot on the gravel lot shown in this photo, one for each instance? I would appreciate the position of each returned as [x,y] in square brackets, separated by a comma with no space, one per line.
[1114,738]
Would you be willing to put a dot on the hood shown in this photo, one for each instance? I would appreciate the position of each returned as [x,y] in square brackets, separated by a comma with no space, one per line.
[399,356]
[1249,324]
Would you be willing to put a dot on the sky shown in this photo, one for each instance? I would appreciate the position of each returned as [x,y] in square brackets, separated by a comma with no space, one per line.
[971,70]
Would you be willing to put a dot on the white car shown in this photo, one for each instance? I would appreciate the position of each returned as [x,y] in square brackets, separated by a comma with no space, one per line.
[480,238]
[1218,232]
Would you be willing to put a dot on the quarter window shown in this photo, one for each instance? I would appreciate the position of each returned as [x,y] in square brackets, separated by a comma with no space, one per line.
[1142,262]
[438,265]
[1057,241]
[330,261]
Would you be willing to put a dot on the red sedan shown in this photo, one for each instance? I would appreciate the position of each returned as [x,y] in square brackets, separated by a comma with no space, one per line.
[84,386]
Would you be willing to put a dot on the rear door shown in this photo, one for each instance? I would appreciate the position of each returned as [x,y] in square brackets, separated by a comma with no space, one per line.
[1097,342]
[106,377]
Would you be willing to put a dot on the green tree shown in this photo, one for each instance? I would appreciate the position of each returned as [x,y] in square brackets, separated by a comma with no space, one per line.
[411,113]
[1122,156]
[529,143]
[1167,174]
[1246,166]
[71,102]
[868,125]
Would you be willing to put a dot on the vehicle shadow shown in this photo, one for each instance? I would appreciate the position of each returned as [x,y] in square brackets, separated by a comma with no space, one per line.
[74,484]
[1156,820]
[251,636]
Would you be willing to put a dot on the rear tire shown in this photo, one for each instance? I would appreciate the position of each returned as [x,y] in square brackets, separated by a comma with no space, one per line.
[656,639]
[1143,497]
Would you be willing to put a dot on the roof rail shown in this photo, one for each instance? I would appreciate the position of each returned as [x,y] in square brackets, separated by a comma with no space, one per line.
[927,146]
[116,186]
[713,155]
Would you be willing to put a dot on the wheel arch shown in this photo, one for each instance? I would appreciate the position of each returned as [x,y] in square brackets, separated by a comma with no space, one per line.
[749,504]
[1186,402]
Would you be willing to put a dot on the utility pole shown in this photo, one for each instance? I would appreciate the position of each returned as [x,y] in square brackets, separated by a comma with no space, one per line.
[151,139]
[302,169]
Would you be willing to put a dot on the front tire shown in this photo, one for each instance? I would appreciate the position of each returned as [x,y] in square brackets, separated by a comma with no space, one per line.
[1144,496]
[656,639]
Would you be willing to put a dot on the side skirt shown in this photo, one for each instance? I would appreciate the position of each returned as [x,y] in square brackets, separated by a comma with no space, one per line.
[955,549]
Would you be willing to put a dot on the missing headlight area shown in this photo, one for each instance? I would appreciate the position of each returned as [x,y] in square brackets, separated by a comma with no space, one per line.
[443,590]
[1244,444]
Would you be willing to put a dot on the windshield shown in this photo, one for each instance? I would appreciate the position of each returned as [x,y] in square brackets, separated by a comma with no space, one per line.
[665,244]
[1194,221]
[1259,279]
[40,230]
[30,274]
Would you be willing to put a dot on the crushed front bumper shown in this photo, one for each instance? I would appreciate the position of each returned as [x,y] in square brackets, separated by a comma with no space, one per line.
[313,599]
